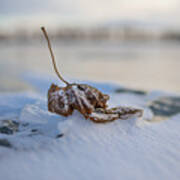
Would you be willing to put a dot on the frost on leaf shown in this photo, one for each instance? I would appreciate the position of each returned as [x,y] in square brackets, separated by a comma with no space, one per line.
[89,101]
[107,115]
[81,97]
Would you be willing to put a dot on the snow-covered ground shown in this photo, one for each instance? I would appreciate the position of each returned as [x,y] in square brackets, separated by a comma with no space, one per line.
[40,145]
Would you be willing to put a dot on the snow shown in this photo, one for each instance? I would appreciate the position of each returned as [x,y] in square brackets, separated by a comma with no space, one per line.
[137,148]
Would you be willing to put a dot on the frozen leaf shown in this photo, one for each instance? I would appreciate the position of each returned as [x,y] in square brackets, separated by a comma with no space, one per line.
[89,101]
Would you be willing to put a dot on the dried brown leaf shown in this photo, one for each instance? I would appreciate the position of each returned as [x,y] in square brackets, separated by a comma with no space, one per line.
[89,101]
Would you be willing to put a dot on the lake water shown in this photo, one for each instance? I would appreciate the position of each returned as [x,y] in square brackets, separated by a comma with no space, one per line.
[142,65]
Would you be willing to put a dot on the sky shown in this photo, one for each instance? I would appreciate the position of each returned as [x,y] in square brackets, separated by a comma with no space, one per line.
[84,12]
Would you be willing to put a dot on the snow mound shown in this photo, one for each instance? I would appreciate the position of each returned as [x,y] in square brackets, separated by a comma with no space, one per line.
[48,146]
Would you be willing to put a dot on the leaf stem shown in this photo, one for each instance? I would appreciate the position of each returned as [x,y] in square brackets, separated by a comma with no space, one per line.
[52,56]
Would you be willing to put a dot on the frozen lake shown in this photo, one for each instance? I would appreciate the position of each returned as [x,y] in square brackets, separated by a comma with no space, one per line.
[142,65]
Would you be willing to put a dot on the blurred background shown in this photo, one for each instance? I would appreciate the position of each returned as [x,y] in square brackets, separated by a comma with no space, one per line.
[132,43]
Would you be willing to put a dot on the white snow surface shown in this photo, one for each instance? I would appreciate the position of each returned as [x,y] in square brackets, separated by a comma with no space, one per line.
[124,149]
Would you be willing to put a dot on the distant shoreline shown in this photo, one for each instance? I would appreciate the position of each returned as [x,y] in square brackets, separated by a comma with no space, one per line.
[127,33]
